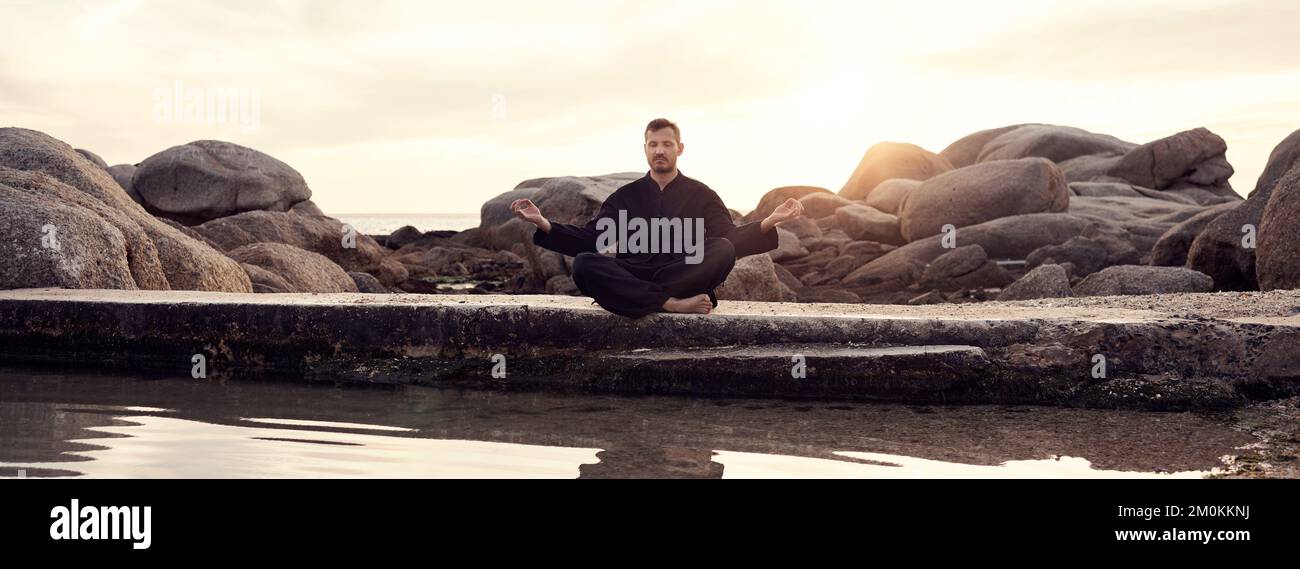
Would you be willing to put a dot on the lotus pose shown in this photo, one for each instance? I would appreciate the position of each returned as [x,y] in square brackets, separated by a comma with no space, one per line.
[671,238]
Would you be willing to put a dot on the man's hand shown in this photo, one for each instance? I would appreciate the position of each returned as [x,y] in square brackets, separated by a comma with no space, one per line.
[528,211]
[788,210]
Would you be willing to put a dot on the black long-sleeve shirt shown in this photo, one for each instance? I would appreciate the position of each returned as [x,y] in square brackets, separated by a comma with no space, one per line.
[683,197]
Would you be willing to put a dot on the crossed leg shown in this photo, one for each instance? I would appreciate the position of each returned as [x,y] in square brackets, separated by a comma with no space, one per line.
[627,290]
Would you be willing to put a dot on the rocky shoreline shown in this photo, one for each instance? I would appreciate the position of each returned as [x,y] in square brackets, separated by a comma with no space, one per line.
[1025,252]
[1011,213]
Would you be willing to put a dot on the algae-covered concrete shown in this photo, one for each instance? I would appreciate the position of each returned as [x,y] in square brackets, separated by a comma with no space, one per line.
[1165,351]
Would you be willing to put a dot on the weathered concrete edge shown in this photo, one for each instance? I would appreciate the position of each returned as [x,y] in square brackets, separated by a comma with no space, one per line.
[1044,360]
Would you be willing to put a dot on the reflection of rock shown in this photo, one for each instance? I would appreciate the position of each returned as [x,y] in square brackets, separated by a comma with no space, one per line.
[645,460]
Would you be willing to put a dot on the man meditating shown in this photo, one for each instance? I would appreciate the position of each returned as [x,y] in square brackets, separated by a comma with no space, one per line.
[671,237]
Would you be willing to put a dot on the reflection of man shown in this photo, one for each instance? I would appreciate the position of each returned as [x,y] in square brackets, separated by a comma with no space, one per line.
[634,283]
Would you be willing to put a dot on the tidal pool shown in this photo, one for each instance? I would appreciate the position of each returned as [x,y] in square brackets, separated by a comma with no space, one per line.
[64,424]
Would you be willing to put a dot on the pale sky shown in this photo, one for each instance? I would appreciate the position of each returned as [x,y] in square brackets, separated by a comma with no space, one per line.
[434,107]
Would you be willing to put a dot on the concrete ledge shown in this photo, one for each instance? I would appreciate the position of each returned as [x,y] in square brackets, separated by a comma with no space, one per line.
[1172,351]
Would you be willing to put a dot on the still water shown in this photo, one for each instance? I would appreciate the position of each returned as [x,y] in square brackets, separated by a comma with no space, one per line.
[115,426]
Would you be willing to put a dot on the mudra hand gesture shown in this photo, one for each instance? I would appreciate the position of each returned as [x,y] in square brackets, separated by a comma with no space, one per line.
[789,209]
[528,211]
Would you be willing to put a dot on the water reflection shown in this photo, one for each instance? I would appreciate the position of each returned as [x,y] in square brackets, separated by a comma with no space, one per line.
[55,424]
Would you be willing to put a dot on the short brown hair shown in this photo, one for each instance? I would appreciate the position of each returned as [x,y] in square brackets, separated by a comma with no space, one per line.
[664,123]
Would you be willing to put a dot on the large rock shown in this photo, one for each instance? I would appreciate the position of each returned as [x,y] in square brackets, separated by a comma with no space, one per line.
[209,179]
[367,283]
[827,295]
[966,150]
[94,158]
[1055,143]
[186,264]
[301,271]
[566,199]
[788,247]
[265,281]
[890,193]
[1044,281]
[1194,156]
[1143,279]
[754,278]
[1278,255]
[956,262]
[1284,156]
[981,193]
[1090,167]
[1219,250]
[306,207]
[964,267]
[1145,220]
[137,250]
[1006,238]
[85,251]
[122,174]
[1124,190]
[464,261]
[887,160]
[316,233]
[404,235]
[864,223]
[803,227]
[1171,249]
[832,271]
[1087,256]
[820,206]
[776,197]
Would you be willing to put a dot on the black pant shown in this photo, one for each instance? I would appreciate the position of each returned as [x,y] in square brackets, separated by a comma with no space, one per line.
[629,289]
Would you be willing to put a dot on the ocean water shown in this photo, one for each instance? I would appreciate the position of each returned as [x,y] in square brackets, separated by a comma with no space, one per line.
[385,223]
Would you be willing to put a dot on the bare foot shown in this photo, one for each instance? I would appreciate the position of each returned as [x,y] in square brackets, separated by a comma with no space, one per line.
[698,304]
